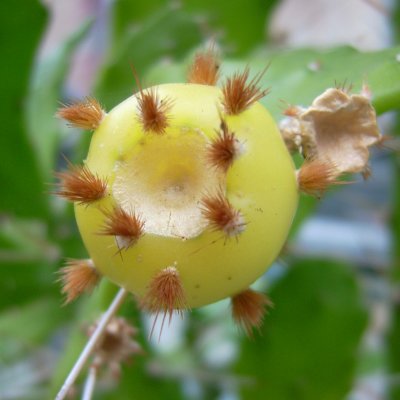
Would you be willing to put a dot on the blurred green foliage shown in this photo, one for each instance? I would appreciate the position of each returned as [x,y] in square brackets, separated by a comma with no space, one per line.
[318,311]
[25,181]
[309,344]
[394,333]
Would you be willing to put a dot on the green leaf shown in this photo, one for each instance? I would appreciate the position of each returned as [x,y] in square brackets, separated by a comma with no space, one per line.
[137,382]
[293,80]
[308,344]
[43,101]
[26,261]
[15,338]
[128,13]
[218,18]
[239,24]
[155,39]
[20,30]
[24,281]
[25,240]
[394,331]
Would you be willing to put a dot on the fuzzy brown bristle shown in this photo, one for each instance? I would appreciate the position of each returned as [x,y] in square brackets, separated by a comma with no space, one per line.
[221,215]
[205,68]
[165,294]
[315,176]
[80,185]
[77,277]
[248,309]
[344,86]
[153,112]
[224,149]
[291,111]
[238,94]
[126,227]
[86,114]
[366,172]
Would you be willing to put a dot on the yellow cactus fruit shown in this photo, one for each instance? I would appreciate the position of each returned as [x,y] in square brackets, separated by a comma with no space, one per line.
[187,193]
[218,219]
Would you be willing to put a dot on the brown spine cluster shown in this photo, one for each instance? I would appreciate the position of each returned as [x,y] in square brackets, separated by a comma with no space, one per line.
[153,111]
[165,294]
[222,216]
[80,185]
[224,149]
[248,309]
[77,277]
[239,94]
[127,228]
[315,176]
[86,114]
[205,68]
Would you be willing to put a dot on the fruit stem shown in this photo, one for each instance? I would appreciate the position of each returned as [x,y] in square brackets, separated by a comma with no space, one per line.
[92,343]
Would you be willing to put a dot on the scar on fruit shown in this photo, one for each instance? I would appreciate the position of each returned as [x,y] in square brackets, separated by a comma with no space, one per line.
[199,160]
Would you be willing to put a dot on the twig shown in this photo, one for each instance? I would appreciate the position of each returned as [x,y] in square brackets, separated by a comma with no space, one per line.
[90,384]
[91,344]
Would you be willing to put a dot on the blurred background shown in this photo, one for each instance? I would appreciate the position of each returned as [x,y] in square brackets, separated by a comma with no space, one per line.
[334,332]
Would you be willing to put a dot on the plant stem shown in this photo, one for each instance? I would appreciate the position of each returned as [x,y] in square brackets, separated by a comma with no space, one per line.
[91,344]
[90,384]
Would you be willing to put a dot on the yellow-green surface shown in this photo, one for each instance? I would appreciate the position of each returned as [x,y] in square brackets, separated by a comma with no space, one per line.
[261,184]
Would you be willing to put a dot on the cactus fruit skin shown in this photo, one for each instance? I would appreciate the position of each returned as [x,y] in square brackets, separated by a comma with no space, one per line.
[165,178]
